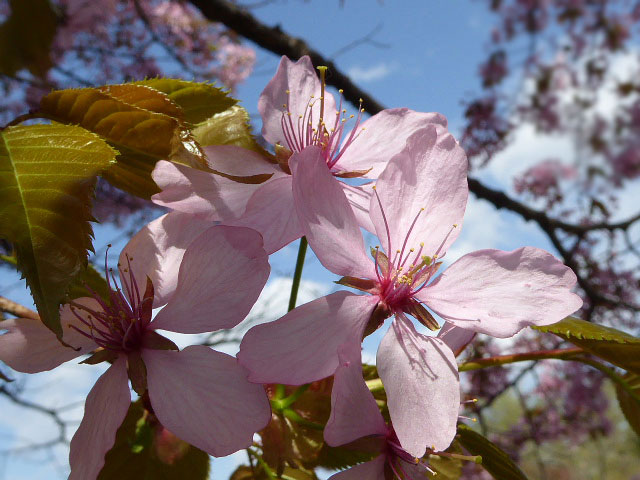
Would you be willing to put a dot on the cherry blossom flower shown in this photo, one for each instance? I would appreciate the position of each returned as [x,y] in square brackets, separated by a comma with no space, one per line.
[419,203]
[361,419]
[544,178]
[297,113]
[195,392]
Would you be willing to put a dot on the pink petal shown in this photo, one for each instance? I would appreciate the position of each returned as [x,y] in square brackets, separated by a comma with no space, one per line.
[371,470]
[420,376]
[157,251]
[203,397]
[430,174]
[30,347]
[210,196]
[456,338]
[499,293]
[221,276]
[354,412]
[326,216]
[301,80]
[239,161]
[384,136]
[270,211]
[359,198]
[104,411]
[302,346]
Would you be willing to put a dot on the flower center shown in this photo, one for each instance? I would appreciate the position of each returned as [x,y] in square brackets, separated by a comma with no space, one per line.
[398,460]
[329,135]
[120,324]
[408,272]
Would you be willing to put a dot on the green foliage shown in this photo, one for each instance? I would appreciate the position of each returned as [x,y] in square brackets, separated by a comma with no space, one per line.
[141,452]
[612,345]
[26,36]
[144,124]
[446,468]
[244,472]
[494,459]
[292,437]
[630,406]
[92,278]
[88,277]
[46,172]
[230,127]
[199,101]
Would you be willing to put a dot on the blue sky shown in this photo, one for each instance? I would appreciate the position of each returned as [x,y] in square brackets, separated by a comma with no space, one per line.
[430,64]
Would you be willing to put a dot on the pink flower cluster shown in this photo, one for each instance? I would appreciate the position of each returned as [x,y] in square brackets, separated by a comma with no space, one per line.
[206,262]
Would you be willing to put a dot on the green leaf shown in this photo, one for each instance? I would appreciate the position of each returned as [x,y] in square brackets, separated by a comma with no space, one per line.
[88,276]
[142,452]
[26,36]
[494,459]
[630,406]
[144,124]
[614,346]
[47,177]
[92,278]
[446,468]
[230,127]
[199,101]
[244,472]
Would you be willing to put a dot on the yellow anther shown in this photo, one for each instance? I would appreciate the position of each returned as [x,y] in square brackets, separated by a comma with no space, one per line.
[362,110]
[374,187]
[287,92]
[341,91]
[360,100]
[422,245]
[313,96]
[455,225]
[344,120]
[344,110]
[350,116]
[289,113]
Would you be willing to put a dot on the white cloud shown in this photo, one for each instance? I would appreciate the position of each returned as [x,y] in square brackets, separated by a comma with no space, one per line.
[528,147]
[370,73]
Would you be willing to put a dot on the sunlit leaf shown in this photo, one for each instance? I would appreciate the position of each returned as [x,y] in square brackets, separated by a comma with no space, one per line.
[26,36]
[446,468]
[47,177]
[230,127]
[244,472]
[293,442]
[494,459]
[142,452]
[630,406]
[199,101]
[144,125]
[610,344]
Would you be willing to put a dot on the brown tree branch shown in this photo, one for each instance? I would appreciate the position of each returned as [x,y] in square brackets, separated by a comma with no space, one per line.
[16,309]
[279,42]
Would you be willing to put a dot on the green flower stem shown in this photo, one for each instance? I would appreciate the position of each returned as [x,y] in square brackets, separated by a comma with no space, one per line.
[295,417]
[279,393]
[297,275]
[290,400]
[560,354]
[270,473]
